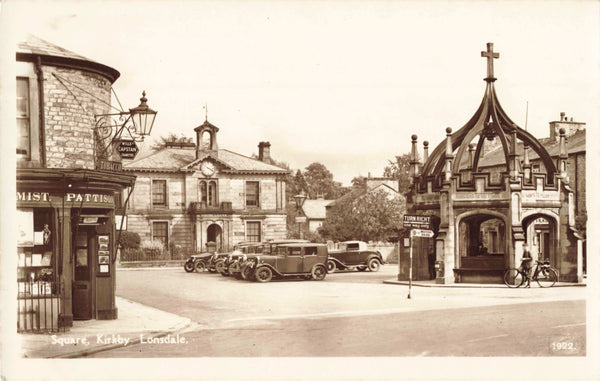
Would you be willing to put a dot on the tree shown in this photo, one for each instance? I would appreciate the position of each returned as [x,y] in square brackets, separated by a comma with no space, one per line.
[171,138]
[399,170]
[374,216]
[319,182]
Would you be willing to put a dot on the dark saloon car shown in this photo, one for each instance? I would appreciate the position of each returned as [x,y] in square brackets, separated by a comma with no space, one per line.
[241,269]
[307,260]
[354,254]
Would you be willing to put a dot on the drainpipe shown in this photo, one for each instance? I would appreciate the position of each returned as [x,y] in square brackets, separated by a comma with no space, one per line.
[40,79]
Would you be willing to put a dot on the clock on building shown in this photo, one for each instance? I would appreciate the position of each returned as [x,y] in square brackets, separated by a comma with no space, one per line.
[207,168]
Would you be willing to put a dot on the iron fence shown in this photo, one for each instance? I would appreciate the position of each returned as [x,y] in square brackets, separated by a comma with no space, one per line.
[38,306]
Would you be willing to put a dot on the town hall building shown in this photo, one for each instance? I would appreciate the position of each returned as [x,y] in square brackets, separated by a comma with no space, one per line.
[189,195]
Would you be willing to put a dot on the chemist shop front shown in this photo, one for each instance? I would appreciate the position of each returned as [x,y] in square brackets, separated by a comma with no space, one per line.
[66,246]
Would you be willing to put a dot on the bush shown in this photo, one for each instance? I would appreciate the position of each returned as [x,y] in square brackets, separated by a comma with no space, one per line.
[152,249]
[129,240]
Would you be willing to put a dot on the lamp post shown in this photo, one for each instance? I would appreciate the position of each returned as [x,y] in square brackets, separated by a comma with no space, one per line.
[109,128]
[299,200]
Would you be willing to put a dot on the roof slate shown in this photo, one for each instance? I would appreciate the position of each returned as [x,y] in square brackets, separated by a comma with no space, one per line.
[35,45]
[179,159]
[315,209]
[575,144]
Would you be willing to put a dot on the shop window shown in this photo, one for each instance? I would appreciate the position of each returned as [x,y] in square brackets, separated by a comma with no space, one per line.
[23,118]
[252,194]
[159,193]
[35,247]
[253,231]
[160,232]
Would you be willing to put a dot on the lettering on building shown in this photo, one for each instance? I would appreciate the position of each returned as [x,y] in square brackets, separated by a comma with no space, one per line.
[33,196]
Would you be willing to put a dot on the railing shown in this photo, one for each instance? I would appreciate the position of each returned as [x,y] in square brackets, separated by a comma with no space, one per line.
[38,306]
[203,207]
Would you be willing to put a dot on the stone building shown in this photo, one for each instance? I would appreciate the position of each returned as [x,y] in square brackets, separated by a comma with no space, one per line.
[187,195]
[490,187]
[65,206]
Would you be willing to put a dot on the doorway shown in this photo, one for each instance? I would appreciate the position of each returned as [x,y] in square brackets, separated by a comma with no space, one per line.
[84,248]
[214,234]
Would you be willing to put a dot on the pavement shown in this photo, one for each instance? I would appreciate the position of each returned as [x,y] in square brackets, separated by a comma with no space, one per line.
[135,322]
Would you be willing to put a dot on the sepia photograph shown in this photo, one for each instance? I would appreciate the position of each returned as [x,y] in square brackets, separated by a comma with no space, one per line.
[291,190]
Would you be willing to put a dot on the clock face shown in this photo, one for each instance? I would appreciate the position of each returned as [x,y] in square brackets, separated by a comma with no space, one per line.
[207,168]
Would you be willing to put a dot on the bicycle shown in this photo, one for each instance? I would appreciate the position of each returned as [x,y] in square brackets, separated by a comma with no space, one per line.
[544,275]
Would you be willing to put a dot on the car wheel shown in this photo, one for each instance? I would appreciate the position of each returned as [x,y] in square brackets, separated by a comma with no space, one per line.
[263,274]
[200,266]
[361,268]
[220,266]
[331,266]
[318,272]
[189,266]
[374,264]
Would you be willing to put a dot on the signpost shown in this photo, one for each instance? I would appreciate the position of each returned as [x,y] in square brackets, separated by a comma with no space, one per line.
[420,226]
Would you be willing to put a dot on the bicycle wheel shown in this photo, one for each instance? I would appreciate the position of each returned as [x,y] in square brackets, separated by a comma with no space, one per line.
[547,277]
[513,278]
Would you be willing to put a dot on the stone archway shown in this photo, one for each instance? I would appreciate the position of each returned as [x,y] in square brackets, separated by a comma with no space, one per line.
[481,246]
[541,234]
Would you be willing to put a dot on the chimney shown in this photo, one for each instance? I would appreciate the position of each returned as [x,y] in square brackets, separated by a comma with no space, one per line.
[264,152]
[568,124]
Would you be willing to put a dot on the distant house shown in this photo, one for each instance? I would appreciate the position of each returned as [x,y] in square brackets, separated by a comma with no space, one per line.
[315,213]
[372,184]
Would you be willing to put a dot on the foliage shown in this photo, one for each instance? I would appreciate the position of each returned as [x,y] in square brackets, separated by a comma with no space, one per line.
[319,182]
[399,170]
[152,249]
[374,216]
[171,138]
[129,240]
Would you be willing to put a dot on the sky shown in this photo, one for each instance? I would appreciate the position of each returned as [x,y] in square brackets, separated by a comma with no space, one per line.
[341,83]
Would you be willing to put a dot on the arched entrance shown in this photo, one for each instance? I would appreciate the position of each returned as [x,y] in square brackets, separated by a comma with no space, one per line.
[214,234]
[541,236]
[481,249]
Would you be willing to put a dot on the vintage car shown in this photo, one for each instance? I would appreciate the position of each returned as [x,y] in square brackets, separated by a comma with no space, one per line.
[354,254]
[201,262]
[306,260]
[268,247]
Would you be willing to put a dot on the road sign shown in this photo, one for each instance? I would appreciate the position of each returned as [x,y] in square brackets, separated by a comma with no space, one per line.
[417,222]
[422,233]
[127,149]
[300,219]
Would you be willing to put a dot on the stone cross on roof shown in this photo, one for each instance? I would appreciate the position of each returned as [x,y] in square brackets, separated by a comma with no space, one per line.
[490,59]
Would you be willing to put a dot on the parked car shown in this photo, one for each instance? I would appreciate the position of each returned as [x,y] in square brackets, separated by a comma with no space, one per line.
[354,254]
[201,262]
[251,252]
[307,260]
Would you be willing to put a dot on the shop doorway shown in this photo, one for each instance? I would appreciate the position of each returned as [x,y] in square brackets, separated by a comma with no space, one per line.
[214,234]
[84,247]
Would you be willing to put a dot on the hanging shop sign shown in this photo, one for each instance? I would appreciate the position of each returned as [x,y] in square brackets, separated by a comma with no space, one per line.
[127,149]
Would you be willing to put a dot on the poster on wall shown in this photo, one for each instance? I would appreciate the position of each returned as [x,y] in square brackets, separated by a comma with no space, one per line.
[24,227]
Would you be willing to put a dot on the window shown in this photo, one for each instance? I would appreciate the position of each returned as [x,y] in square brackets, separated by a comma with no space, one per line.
[310,251]
[23,118]
[252,189]
[160,232]
[208,193]
[253,231]
[159,192]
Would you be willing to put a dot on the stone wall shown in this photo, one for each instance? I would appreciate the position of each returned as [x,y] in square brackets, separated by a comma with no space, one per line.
[69,109]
